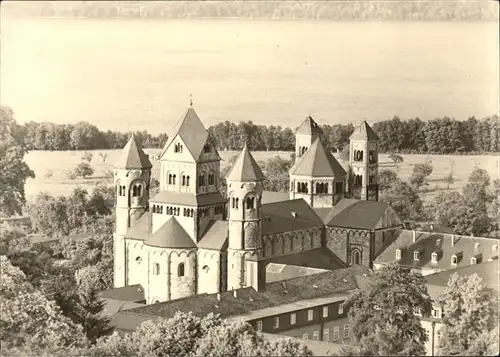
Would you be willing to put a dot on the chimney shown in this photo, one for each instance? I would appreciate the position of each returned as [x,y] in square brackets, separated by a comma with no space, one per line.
[414,236]
[235,294]
[218,296]
[452,240]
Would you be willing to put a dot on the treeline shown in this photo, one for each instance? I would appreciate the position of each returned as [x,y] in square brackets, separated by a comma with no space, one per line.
[82,136]
[442,135]
[325,10]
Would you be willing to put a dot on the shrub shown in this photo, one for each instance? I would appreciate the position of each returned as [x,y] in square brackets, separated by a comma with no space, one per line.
[84,170]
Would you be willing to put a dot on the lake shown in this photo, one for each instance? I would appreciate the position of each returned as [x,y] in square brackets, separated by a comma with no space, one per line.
[138,74]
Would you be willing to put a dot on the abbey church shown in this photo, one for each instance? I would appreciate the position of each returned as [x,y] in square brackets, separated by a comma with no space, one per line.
[189,239]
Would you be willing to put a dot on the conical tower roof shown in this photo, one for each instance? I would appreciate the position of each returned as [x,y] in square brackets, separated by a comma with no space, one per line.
[318,162]
[245,168]
[309,127]
[364,132]
[133,157]
[171,235]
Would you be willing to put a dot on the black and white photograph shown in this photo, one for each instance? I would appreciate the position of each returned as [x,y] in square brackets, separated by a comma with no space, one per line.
[250,178]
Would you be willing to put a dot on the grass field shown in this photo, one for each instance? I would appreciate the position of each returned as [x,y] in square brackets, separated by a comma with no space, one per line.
[51,166]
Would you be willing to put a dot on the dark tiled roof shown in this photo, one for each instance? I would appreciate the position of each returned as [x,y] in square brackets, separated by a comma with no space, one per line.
[192,132]
[489,271]
[272,197]
[280,272]
[133,293]
[427,243]
[318,162]
[127,321]
[171,235]
[319,258]
[363,132]
[215,237]
[357,214]
[278,217]
[309,127]
[133,157]
[188,199]
[140,229]
[275,294]
[245,168]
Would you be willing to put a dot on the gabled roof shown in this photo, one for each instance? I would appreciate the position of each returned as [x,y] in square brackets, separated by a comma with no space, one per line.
[171,235]
[288,216]
[318,162]
[364,132]
[318,258]
[309,127]
[192,132]
[215,236]
[427,242]
[359,214]
[133,157]
[245,168]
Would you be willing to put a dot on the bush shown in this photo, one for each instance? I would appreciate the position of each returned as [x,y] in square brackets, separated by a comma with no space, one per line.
[87,157]
[84,170]
[71,174]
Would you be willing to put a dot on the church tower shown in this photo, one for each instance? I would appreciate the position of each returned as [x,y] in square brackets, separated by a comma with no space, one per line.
[305,135]
[363,159]
[245,242]
[132,178]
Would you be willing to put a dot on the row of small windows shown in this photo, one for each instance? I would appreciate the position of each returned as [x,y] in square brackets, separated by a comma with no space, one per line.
[185,179]
[435,257]
[202,179]
[178,148]
[187,212]
[250,202]
[136,190]
[303,187]
[358,156]
[181,268]
[293,316]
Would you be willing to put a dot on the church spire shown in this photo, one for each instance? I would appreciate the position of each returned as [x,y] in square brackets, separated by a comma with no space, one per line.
[133,157]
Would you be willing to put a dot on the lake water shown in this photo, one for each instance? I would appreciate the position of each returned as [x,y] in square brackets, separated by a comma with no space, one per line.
[137,74]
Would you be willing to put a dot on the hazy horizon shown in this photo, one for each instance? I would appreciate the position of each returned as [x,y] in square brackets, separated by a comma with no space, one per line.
[138,74]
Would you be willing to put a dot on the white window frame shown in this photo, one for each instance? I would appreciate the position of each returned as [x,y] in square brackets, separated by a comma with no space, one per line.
[436,312]
[259,325]
[416,255]
[473,260]
[454,259]
[398,254]
[316,335]
[310,315]
[293,318]
[325,311]
[305,336]
[417,311]
[336,333]
[326,333]
[434,257]
[346,331]
[341,308]
[276,322]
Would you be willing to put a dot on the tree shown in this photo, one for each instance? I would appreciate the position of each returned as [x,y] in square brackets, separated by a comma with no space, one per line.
[382,316]
[404,199]
[30,322]
[189,335]
[387,179]
[277,174]
[397,159]
[88,313]
[421,172]
[470,317]
[84,170]
[14,171]
[87,157]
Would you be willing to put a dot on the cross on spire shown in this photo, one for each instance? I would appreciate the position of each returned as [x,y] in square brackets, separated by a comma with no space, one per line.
[191,100]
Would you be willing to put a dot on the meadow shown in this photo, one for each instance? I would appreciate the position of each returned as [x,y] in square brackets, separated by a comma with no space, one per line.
[51,168]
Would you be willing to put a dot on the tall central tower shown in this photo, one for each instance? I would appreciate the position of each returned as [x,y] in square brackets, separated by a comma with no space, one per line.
[305,135]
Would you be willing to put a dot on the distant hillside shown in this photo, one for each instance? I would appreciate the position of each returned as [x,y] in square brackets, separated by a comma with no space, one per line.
[431,10]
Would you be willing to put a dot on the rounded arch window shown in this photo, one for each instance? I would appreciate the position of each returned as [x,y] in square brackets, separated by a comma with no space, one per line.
[181,270]
[156,269]
[156,301]
[356,257]
[205,269]
[138,260]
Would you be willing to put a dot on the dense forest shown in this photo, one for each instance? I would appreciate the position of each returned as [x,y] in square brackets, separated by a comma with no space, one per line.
[442,135]
[470,10]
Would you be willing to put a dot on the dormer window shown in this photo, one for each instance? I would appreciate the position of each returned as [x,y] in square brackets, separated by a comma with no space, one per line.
[434,257]
[178,148]
[416,255]
[398,254]
[454,259]
[417,311]
[436,312]
[473,260]
[207,148]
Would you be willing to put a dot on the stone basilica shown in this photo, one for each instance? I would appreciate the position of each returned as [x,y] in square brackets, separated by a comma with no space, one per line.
[189,239]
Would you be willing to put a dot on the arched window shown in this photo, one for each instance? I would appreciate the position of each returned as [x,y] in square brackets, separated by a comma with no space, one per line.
[205,268]
[169,179]
[124,190]
[154,208]
[304,149]
[134,191]
[181,270]
[317,188]
[138,260]
[156,269]
[201,179]
[355,257]
[183,180]
[173,179]
[187,180]
[206,148]
[250,202]
[156,301]
[325,188]
[161,209]
[237,201]
[211,180]
[119,190]
[178,148]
